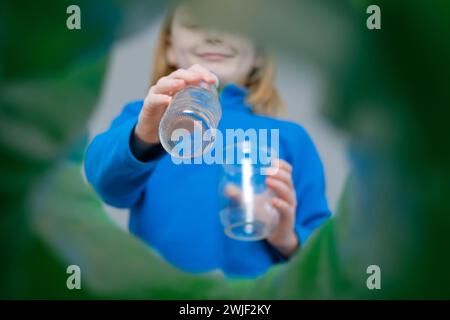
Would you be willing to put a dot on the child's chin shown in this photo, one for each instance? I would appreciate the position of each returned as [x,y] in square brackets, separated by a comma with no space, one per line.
[216,66]
[218,69]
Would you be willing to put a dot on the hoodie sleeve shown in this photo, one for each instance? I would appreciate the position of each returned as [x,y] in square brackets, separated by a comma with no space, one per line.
[309,181]
[111,167]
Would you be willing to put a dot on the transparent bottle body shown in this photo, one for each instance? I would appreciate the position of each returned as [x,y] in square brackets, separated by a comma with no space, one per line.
[193,110]
[245,201]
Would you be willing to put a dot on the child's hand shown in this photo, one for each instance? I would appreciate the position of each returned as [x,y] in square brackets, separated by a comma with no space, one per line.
[280,181]
[159,96]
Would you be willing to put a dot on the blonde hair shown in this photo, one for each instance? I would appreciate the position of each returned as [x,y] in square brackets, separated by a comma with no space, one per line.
[262,96]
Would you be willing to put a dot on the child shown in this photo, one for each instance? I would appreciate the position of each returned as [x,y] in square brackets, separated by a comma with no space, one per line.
[174,208]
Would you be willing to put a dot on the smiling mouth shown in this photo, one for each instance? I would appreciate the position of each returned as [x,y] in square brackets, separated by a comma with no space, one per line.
[214,56]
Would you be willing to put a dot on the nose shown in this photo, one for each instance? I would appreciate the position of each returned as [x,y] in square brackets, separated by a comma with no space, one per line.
[212,37]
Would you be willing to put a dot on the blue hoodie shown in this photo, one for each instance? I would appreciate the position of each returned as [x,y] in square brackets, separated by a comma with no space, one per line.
[175,208]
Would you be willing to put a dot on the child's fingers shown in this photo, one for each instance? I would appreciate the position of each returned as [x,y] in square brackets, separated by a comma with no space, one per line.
[208,76]
[282,164]
[284,208]
[233,192]
[168,86]
[157,101]
[281,174]
[277,165]
[282,189]
[189,76]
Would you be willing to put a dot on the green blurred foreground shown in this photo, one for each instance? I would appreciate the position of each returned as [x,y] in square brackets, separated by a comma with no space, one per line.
[389,89]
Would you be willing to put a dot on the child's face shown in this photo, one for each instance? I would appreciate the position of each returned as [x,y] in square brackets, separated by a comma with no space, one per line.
[229,56]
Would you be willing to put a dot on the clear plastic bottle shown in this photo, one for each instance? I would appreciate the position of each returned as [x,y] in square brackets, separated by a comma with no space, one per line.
[195,109]
[245,201]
